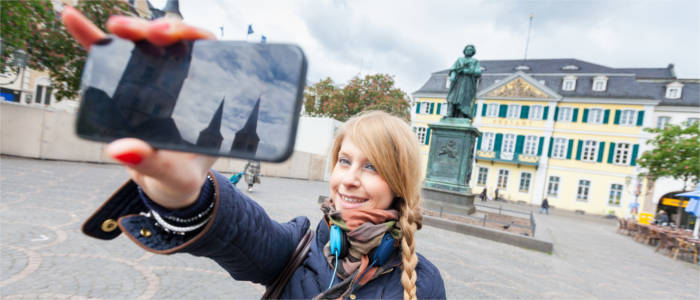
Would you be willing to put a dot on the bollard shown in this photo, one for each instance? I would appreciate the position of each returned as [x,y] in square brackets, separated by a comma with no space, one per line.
[484,224]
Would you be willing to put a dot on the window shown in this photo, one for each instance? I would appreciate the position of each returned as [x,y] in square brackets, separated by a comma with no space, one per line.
[536,112]
[590,150]
[569,83]
[560,147]
[420,133]
[522,68]
[615,194]
[622,153]
[674,90]
[583,188]
[503,178]
[483,175]
[595,116]
[487,141]
[447,82]
[43,92]
[565,114]
[691,121]
[508,146]
[525,181]
[443,109]
[513,111]
[661,122]
[531,143]
[553,186]
[600,83]
[492,110]
[628,117]
[425,107]
[570,67]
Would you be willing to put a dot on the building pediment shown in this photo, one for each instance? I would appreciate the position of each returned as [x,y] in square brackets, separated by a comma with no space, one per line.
[519,86]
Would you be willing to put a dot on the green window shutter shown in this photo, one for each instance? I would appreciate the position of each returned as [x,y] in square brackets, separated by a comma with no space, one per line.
[601,149]
[418,107]
[474,112]
[570,149]
[611,152]
[579,147]
[432,108]
[640,118]
[551,142]
[519,141]
[574,117]
[556,113]
[478,143]
[617,117]
[584,117]
[497,142]
[483,109]
[524,112]
[427,137]
[635,151]
[439,107]
[545,113]
[606,116]
[539,146]
[502,111]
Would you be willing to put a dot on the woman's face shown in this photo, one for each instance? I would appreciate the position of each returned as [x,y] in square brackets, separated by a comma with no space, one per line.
[355,182]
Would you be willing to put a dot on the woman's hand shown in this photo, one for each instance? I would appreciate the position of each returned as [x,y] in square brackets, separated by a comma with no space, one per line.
[171,179]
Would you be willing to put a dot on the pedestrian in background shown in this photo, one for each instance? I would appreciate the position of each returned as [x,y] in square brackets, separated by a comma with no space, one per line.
[495,195]
[483,195]
[252,173]
[544,207]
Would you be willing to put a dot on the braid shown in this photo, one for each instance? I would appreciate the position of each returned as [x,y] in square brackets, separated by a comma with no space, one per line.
[408,253]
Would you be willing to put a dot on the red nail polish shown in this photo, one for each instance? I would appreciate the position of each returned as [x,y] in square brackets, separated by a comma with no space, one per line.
[129,158]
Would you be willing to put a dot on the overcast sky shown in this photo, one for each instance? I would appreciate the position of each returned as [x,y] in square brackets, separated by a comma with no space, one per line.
[411,39]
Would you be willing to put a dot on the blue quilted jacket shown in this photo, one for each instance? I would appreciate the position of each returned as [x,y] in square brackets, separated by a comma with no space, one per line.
[249,245]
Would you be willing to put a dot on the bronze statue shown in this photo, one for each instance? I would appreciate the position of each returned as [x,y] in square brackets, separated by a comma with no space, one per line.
[464,79]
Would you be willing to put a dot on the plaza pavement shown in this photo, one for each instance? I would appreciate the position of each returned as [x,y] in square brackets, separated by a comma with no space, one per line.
[43,255]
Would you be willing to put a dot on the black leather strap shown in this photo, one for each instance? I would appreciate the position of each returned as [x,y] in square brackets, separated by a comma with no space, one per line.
[274,291]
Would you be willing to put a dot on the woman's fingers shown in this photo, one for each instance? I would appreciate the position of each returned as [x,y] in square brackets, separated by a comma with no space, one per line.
[81,28]
[163,32]
[130,28]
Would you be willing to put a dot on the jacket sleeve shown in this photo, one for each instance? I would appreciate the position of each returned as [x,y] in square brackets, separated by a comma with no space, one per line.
[239,236]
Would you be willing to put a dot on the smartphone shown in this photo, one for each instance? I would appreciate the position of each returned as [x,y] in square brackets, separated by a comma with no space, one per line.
[219,98]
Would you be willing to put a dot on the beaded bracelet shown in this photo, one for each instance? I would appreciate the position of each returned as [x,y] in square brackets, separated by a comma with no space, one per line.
[182,230]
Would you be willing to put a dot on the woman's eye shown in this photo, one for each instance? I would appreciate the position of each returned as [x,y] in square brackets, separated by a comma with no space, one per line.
[343,161]
[370,167]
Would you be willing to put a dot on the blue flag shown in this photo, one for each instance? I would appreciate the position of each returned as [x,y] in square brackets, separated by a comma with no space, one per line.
[250,29]
[263,39]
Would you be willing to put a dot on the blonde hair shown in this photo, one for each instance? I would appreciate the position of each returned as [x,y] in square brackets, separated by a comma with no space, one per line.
[393,149]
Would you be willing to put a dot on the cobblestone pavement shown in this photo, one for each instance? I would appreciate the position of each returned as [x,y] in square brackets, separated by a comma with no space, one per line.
[44,255]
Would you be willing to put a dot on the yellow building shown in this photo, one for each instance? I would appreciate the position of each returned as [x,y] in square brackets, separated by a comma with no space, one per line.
[562,129]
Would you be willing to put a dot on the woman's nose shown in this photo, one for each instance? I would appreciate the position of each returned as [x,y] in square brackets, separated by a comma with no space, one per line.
[352,177]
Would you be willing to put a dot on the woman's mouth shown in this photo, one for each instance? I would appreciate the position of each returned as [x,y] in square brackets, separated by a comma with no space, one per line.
[350,202]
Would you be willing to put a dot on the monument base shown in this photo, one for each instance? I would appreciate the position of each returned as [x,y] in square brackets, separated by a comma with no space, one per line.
[448,201]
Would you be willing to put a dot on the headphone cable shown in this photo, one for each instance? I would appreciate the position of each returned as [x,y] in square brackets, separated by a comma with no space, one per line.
[335,269]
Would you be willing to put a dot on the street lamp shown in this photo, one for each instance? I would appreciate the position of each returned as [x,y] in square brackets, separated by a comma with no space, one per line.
[20,60]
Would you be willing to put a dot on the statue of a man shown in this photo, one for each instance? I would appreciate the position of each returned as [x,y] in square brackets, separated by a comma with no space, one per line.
[464,78]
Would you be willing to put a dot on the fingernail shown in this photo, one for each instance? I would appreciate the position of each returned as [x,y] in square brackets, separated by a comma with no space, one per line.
[129,158]
[160,25]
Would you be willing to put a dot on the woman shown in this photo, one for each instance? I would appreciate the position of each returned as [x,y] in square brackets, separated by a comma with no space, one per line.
[252,173]
[175,203]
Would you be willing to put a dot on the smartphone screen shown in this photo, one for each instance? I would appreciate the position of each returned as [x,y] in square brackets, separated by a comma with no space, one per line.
[221,98]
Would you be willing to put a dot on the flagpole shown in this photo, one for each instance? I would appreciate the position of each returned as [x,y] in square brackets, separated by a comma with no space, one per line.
[527,41]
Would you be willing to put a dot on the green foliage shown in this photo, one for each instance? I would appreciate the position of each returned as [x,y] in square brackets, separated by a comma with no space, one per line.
[373,92]
[35,27]
[675,153]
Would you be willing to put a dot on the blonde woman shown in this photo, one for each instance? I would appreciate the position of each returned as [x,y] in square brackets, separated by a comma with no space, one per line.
[175,203]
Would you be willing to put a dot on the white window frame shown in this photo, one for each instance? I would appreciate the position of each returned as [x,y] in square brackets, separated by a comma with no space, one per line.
[565,114]
[583,190]
[421,133]
[600,83]
[569,83]
[553,186]
[590,150]
[508,146]
[525,180]
[628,117]
[615,196]
[531,144]
[674,90]
[503,178]
[492,110]
[536,112]
[596,115]
[662,121]
[513,111]
[487,141]
[622,153]
[560,147]
[425,107]
[447,82]
[482,176]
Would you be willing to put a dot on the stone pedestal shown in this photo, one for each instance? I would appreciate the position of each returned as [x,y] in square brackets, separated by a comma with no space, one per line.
[450,164]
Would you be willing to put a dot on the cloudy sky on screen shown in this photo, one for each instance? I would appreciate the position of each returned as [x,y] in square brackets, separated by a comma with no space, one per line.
[411,39]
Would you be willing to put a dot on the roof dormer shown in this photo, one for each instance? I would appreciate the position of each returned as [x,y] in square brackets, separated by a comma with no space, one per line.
[522,68]
[600,83]
[674,90]
[569,83]
[570,68]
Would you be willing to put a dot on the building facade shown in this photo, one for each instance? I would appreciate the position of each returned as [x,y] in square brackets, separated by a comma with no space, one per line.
[562,129]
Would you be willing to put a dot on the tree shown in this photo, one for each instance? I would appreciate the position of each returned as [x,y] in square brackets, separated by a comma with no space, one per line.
[676,153]
[35,27]
[373,92]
